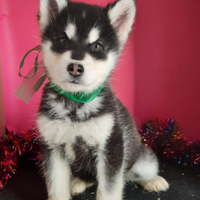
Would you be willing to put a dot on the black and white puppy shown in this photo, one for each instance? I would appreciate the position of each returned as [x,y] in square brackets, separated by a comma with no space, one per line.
[96,141]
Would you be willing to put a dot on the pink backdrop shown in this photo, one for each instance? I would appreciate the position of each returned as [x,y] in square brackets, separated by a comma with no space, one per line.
[164,83]
[167,60]
[2,115]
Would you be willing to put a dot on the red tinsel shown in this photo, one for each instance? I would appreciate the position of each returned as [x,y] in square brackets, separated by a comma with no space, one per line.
[166,138]
[12,147]
[163,136]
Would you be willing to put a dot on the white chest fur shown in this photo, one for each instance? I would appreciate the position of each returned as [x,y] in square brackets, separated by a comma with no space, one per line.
[94,131]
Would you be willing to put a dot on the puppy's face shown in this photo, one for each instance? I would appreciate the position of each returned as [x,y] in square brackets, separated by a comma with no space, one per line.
[81,43]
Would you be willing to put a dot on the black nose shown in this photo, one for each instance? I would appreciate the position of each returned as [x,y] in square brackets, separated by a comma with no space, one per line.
[75,69]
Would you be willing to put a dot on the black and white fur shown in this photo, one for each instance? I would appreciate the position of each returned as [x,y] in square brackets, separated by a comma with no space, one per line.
[96,142]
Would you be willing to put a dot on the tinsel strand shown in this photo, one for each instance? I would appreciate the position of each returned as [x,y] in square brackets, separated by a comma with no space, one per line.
[12,147]
[166,138]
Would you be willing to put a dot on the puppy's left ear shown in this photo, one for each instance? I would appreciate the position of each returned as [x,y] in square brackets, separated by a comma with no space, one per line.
[121,15]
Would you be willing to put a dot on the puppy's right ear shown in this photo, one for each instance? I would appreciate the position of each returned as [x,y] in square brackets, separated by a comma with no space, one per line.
[50,9]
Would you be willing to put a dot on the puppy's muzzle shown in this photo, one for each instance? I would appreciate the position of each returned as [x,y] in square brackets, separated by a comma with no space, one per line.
[75,69]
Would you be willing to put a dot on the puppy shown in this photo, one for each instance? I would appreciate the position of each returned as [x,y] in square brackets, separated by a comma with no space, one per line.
[88,135]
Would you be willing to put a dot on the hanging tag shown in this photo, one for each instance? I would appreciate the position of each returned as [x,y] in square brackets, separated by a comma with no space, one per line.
[28,87]
[39,83]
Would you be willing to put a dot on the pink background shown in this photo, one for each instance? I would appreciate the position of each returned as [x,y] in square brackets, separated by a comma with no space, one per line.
[2,115]
[157,77]
[167,62]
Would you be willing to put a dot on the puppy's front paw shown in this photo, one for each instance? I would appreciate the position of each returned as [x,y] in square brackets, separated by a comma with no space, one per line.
[78,186]
[156,184]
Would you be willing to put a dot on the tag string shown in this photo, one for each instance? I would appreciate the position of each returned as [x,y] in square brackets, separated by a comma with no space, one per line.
[37,48]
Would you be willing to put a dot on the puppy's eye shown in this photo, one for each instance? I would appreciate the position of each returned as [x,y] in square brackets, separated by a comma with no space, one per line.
[62,40]
[96,47]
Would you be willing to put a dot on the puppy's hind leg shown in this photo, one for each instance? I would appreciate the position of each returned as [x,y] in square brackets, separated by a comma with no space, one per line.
[145,172]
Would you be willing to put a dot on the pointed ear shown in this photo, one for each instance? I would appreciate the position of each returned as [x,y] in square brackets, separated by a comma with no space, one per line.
[121,15]
[50,9]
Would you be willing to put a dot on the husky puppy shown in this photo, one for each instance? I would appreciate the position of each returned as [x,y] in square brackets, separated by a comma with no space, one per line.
[88,135]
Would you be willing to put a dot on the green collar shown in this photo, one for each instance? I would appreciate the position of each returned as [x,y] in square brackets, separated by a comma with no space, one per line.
[78,96]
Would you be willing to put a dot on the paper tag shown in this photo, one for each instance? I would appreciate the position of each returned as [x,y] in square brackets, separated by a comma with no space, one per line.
[28,87]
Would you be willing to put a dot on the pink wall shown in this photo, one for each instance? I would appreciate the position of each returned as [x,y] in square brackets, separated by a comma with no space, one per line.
[167,59]
[2,112]
[19,33]
[164,83]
